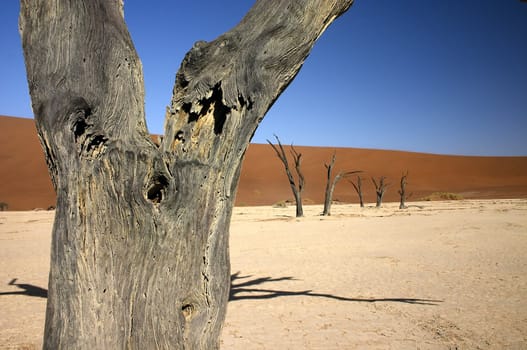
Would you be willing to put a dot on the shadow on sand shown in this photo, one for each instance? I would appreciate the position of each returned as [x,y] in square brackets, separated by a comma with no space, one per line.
[249,289]
[27,289]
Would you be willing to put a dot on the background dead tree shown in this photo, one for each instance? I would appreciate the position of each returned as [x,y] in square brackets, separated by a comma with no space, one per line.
[296,186]
[331,184]
[402,191]
[139,252]
[380,189]
[358,188]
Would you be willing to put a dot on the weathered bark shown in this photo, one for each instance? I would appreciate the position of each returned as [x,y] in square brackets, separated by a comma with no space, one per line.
[358,188]
[139,256]
[402,191]
[297,157]
[331,184]
[295,188]
[380,189]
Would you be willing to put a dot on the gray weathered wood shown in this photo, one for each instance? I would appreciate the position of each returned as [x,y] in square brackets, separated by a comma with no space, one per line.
[402,191]
[332,183]
[358,188]
[139,256]
[380,189]
[297,187]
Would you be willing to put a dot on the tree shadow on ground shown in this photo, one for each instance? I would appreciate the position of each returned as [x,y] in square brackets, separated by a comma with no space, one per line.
[27,289]
[250,289]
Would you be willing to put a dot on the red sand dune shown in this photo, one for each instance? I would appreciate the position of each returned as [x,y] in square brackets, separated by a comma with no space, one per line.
[25,184]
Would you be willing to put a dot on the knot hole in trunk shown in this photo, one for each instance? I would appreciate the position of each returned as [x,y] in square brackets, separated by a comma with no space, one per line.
[156,190]
[187,310]
[91,141]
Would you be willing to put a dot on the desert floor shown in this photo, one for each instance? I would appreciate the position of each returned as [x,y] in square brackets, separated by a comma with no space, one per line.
[439,275]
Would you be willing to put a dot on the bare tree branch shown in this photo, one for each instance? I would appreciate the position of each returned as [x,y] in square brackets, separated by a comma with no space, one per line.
[358,189]
[296,188]
[402,190]
[331,184]
[380,189]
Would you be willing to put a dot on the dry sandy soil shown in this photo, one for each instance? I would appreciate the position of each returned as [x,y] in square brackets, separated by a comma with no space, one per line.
[440,275]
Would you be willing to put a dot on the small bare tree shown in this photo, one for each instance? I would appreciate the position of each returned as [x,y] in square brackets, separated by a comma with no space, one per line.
[296,188]
[402,191]
[358,188]
[331,184]
[380,189]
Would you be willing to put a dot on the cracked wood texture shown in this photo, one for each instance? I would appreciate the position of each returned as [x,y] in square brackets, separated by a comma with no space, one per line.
[139,255]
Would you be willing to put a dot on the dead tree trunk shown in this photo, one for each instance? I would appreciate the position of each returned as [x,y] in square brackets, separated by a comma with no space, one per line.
[380,189]
[331,184]
[402,191]
[296,188]
[139,256]
[358,188]
[297,157]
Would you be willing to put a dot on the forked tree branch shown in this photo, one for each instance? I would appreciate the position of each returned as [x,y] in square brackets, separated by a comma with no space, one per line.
[297,157]
[224,87]
[332,183]
[139,255]
[297,188]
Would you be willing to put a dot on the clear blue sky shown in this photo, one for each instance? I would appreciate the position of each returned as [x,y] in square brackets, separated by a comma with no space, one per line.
[446,77]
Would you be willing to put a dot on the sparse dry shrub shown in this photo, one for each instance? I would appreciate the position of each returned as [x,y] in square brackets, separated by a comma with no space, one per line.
[280,204]
[442,196]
